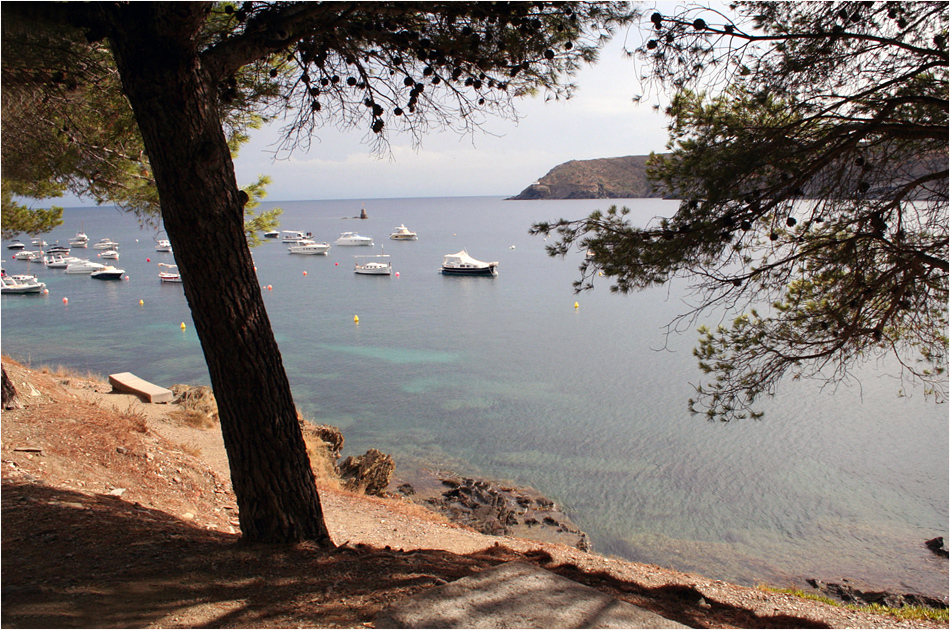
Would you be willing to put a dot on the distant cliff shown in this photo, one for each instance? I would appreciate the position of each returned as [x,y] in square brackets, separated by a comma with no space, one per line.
[603,178]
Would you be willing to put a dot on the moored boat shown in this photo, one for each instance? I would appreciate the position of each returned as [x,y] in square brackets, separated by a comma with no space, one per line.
[58,261]
[271,234]
[108,273]
[373,265]
[309,247]
[352,238]
[80,240]
[106,243]
[461,264]
[27,254]
[168,273]
[25,285]
[83,266]
[291,236]
[16,244]
[110,254]
[163,245]
[402,233]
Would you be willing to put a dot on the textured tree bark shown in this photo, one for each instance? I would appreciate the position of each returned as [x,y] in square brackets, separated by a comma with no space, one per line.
[175,105]
[10,400]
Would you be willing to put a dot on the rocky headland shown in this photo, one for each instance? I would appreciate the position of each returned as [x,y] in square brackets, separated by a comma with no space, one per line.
[602,178]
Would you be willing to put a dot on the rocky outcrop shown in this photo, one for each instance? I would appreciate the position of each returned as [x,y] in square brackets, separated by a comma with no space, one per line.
[937,546]
[850,595]
[603,178]
[502,510]
[369,473]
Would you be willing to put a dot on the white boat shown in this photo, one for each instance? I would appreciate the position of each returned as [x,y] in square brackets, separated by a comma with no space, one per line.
[38,242]
[27,254]
[58,261]
[373,265]
[352,238]
[52,250]
[106,243]
[461,264]
[108,273]
[271,234]
[289,236]
[169,273]
[83,266]
[29,284]
[163,245]
[307,246]
[16,244]
[402,233]
[80,240]
[110,254]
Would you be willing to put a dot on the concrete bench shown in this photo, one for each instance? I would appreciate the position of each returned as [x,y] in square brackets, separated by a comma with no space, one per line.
[131,384]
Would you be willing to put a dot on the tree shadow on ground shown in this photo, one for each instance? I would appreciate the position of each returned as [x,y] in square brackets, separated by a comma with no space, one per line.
[81,560]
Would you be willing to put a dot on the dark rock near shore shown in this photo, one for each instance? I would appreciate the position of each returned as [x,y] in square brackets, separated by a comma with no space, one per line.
[504,510]
[937,546]
[850,595]
[369,473]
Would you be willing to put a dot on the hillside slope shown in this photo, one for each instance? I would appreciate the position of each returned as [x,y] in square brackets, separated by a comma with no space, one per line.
[603,178]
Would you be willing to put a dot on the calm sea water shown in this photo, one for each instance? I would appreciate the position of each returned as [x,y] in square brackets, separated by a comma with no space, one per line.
[503,377]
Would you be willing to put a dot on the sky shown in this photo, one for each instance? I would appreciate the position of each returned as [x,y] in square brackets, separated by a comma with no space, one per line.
[601,120]
[505,157]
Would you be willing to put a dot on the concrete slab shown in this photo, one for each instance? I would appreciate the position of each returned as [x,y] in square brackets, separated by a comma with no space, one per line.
[517,595]
[132,384]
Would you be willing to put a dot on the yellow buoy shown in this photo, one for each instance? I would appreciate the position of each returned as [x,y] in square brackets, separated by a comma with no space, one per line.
[141,302]
[576,305]
[356,319]
[183,325]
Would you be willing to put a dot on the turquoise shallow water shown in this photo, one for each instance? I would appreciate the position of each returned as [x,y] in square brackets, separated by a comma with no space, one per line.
[504,378]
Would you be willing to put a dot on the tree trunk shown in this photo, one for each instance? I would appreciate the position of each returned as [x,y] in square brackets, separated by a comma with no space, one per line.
[175,105]
[10,400]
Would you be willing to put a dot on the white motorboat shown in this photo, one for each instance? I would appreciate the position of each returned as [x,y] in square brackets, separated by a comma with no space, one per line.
[110,254]
[10,285]
[461,264]
[289,236]
[108,273]
[271,234]
[83,266]
[352,238]
[402,233]
[80,240]
[16,244]
[57,249]
[106,243]
[168,273]
[373,265]
[27,254]
[38,242]
[307,246]
[58,261]
[163,245]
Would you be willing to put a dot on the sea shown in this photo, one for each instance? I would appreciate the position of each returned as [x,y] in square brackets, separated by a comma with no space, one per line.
[582,396]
